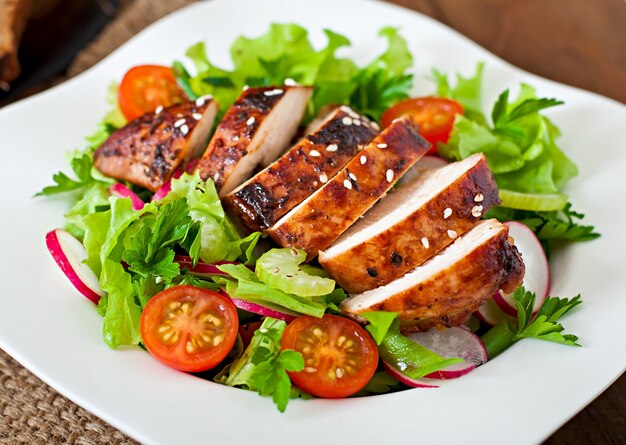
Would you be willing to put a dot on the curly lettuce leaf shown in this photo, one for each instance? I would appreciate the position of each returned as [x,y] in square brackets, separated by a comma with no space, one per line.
[285,52]
[467,91]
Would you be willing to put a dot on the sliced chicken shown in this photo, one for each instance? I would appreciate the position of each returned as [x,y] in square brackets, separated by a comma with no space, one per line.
[256,129]
[446,289]
[147,150]
[263,200]
[320,219]
[412,224]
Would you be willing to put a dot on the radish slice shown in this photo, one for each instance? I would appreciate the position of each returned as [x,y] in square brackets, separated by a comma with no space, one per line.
[263,310]
[415,383]
[537,277]
[201,270]
[70,254]
[490,313]
[449,343]
[121,191]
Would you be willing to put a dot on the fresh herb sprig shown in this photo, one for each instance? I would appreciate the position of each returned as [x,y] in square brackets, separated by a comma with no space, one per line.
[542,326]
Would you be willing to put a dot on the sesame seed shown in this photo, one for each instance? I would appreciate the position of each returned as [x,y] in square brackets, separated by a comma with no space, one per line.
[184,129]
[389,175]
[196,116]
[323,178]
[216,176]
[479,197]
[245,87]
[290,82]
[452,234]
[274,92]
[375,125]
[346,120]
[202,100]
[352,176]
[353,114]
[332,147]
[425,242]
[314,153]
[179,122]
[356,122]
[347,184]
[447,213]
[250,121]
[158,280]
[158,109]
[382,145]
[477,211]
[235,138]
[363,159]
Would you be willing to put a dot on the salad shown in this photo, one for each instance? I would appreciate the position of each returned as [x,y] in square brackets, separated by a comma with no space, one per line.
[206,291]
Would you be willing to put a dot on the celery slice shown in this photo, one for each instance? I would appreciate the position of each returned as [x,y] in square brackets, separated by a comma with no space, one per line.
[539,202]
[280,269]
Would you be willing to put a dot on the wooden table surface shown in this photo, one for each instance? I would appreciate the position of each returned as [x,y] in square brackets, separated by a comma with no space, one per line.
[578,42]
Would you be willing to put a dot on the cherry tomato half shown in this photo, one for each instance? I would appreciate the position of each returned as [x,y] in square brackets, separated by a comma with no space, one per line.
[189,328]
[340,357]
[434,115]
[145,87]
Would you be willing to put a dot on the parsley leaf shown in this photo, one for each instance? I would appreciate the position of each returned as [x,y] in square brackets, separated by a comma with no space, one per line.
[263,366]
[543,326]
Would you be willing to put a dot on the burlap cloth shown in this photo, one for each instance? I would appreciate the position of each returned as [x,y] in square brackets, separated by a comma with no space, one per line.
[30,411]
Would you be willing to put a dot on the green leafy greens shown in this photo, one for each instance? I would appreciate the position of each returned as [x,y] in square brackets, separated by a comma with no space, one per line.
[285,52]
[521,149]
[543,326]
[399,351]
[263,366]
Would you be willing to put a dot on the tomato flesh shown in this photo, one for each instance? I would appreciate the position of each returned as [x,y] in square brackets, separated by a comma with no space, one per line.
[340,357]
[189,328]
[146,87]
[434,116]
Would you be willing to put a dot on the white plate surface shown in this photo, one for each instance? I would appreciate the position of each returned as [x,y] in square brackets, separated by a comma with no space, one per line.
[521,397]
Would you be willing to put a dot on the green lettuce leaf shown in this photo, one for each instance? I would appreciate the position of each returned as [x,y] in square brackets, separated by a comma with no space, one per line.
[467,91]
[285,52]
[400,352]
[263,366]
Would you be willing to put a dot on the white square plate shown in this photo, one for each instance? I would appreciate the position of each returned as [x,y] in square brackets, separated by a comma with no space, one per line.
[521,397]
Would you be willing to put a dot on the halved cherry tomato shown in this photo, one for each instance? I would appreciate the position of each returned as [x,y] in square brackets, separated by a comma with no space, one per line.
[433,115]
[340,357]
[145,87]
[189,328]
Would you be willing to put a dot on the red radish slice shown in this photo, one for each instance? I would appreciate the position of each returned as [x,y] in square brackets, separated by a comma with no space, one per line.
[263,310]
[70,254]
[121,191]
[415,383]
[201,270]
[537,277]
[490,313]
[450,343]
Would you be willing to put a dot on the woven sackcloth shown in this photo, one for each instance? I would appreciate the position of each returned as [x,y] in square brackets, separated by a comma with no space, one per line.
[30,411]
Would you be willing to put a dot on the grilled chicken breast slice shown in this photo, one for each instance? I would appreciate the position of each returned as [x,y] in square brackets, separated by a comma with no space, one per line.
[260,202]
[411,224]
[147,150]
[446,289]
[320,219]
[256,129]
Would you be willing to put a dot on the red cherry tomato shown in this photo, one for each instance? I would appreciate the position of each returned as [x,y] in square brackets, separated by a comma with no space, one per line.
[145,87]
[189,328]
[434,116]
[340,357]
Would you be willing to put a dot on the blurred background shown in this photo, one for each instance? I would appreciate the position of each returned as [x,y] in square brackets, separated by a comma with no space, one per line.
[44,42]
